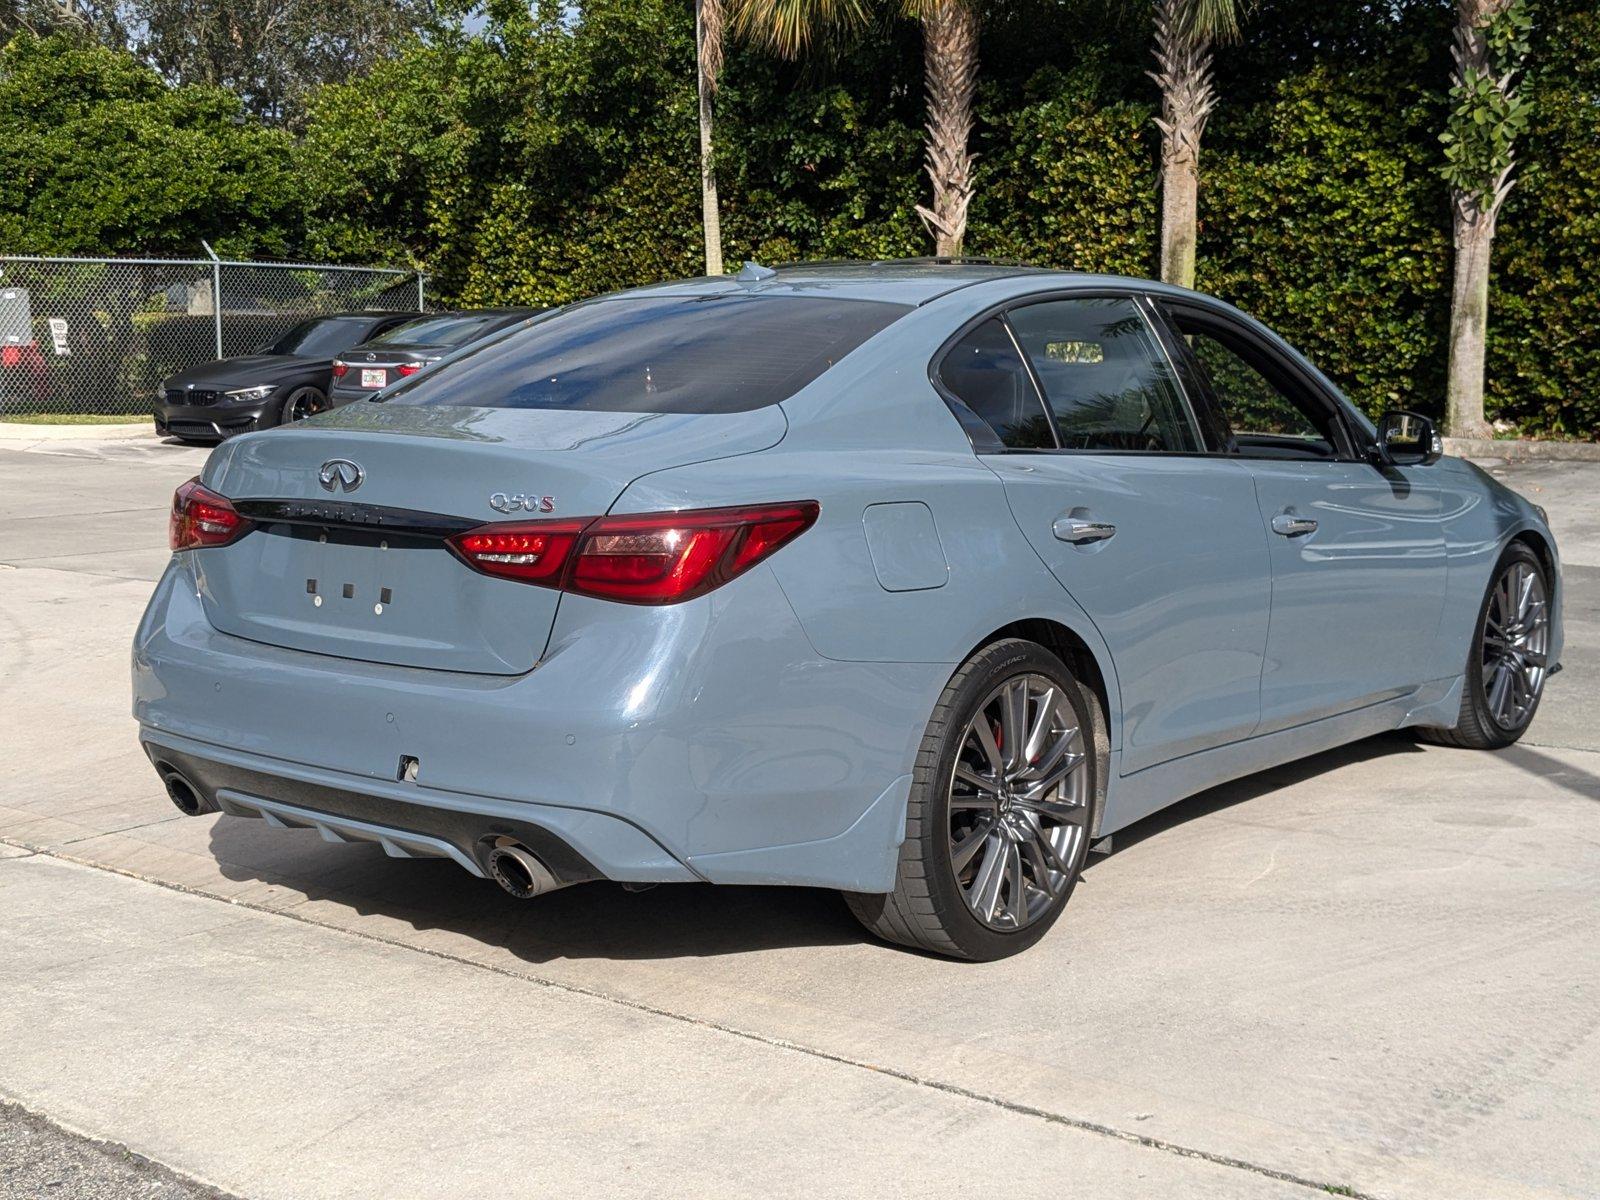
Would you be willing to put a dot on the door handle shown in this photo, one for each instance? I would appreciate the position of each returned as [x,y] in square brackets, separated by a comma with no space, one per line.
[1080,532]
[1290,525]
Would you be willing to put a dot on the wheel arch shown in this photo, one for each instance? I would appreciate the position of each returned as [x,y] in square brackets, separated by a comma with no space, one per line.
[1543,550]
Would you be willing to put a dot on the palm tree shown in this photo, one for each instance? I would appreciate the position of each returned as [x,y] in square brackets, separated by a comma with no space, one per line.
[950,77]
[708,66]
[1491,48]
[1186,31]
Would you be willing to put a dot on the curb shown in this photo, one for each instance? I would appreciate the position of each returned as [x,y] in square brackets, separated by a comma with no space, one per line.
[1517,451]
[16,431]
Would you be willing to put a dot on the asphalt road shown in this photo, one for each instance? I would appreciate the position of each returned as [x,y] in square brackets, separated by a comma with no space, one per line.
[1375,970]
[40,1159]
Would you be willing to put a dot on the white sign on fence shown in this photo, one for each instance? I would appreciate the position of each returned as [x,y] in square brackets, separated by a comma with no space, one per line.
[58,335]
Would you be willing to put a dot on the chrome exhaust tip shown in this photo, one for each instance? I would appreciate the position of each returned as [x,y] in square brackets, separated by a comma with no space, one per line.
[518,872]
[184,795]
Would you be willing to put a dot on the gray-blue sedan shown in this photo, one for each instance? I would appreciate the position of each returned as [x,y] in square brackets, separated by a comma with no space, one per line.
[907,579]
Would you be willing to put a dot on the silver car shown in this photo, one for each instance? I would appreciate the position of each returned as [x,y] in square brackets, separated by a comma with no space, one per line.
[912,580]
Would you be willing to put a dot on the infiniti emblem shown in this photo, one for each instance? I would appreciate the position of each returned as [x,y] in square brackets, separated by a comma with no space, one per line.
[340,475]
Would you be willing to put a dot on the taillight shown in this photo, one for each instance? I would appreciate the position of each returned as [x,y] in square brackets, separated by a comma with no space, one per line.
[405,369]
[655,558]
[532,552]
[340,370]
[201,518]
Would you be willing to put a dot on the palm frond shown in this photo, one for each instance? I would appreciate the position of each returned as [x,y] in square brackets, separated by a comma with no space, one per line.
[1214,19]
[789,28]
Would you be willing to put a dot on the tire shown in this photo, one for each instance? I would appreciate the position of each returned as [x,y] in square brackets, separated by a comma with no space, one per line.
[944,908]
[1482,724]
[301,403]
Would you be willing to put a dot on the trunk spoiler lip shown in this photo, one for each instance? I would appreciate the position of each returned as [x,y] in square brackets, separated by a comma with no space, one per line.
[346,514]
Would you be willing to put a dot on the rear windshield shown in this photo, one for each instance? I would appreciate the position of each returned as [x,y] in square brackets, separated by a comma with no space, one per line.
[701,354]
[323,337]
[449,330]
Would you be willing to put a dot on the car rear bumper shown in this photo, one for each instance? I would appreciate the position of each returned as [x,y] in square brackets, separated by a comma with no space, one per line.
[408,822]
[705,741]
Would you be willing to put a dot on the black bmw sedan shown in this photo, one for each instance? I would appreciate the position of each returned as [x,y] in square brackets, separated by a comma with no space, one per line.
[286,380]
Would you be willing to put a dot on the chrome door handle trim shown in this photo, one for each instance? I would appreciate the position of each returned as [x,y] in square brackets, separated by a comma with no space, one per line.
[1080,532]
[1292,526]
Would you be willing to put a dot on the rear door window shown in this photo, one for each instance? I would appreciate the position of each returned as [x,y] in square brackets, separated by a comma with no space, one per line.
[1105,376]
[695,354]
[984,371]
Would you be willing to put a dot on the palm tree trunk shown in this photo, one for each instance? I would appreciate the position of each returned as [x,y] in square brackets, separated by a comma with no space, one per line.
[950,74]
[708,64]
[1183,60]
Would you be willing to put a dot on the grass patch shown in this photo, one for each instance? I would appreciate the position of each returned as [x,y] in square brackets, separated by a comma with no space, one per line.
[74,419]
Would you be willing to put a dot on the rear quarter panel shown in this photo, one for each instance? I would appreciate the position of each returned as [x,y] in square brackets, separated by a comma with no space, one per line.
[869,432]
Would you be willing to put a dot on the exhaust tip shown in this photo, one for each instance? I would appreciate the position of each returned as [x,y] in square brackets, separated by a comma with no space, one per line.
[520,874]
[184,796]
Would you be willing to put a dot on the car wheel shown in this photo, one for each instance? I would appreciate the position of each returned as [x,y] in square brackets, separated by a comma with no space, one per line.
[1001,809]
[302,403]
[1508,663]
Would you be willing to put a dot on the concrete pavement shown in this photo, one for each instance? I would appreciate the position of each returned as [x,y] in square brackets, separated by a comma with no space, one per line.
[1375,970]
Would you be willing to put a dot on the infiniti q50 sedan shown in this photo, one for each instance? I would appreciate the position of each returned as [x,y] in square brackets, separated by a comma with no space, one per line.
[906,579]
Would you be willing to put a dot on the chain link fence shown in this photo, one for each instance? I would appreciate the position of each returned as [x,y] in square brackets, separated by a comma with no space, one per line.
[98,335]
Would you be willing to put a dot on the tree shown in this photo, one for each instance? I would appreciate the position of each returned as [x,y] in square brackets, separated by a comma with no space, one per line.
[97,19]
[271,53]
[1488,113]
[950,74]
[103,157]
[950,79]
[1186,31]
[708,66]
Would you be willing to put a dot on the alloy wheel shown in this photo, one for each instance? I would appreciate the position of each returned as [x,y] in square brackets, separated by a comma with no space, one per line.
[305,404]
[1019,803]
[1516,642]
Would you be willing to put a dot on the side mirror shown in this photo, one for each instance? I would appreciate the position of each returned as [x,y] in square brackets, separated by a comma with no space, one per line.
[1406,439]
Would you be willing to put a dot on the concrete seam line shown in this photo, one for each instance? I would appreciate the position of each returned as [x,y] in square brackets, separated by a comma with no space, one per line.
[952,1089]
[141,1163]
[89,837]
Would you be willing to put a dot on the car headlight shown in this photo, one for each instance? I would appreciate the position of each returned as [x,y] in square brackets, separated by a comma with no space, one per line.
[251,393]
[1543,516]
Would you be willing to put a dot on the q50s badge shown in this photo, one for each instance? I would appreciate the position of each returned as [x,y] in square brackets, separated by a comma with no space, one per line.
[520,502]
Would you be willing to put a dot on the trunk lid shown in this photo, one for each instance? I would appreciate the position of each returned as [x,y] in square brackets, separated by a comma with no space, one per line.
[364,572]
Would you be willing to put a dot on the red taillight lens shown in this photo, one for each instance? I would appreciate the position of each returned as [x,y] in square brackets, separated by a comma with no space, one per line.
[406,369]
[340,370]
[656,558]
[200,518]
[533,551]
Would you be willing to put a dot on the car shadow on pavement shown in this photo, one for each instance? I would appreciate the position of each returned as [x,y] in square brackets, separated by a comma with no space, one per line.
[1262,783]
[1564,775]
[605,921]
[589,921]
